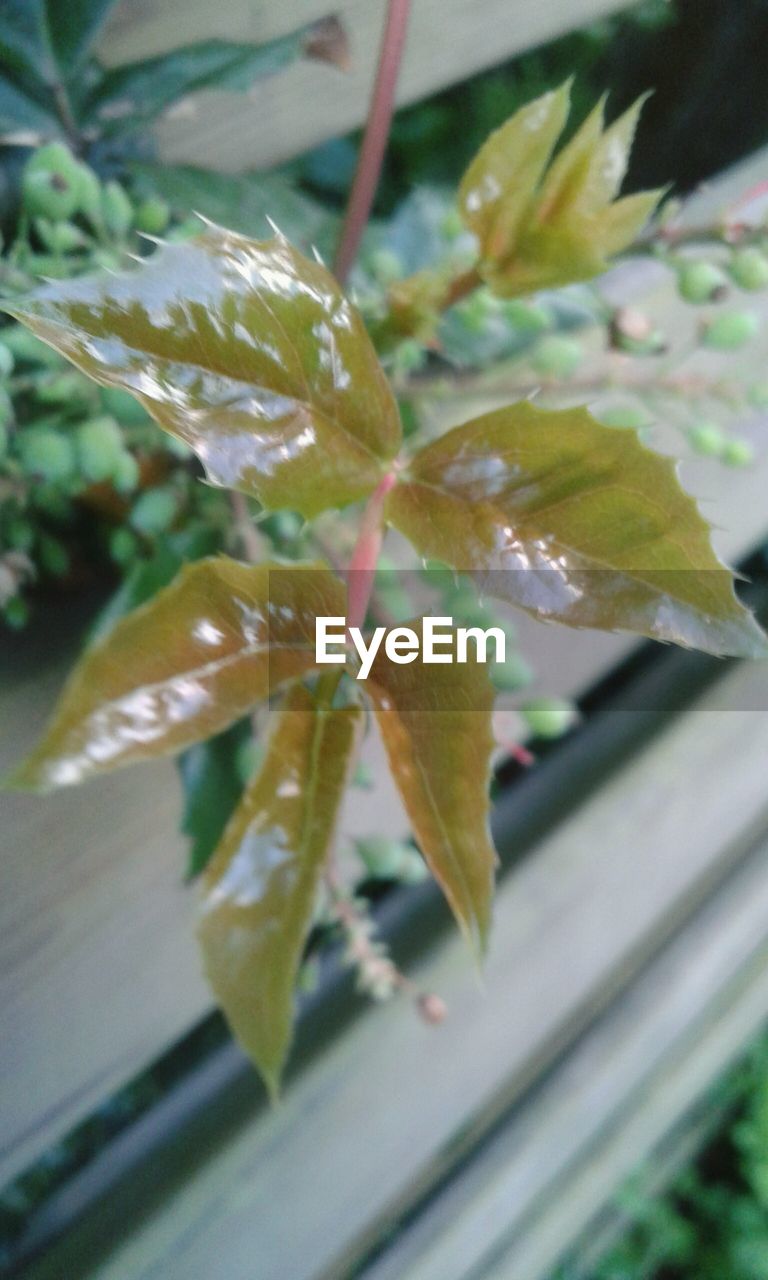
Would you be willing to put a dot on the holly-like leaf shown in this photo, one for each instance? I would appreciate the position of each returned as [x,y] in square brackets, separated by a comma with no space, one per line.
[246,350]
[260,888]
[183,666]
[436,724]
[577,523]
[128,97]
[539,226]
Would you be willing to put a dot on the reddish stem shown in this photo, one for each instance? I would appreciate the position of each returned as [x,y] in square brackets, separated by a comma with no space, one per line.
[377,128]
[362,566]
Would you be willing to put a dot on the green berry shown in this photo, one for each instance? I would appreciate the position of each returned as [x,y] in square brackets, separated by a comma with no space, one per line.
[707,438]
[53,556]
[27,349]
[152,216]
[107,259]
[6,408]
[557,356]
[699,281]
[49,182]
[6,361]
[526,317]
[16,613]
[730,330]
[758,395]
[126,473]
[99,448]
[69,388]
[513,674]
[123,546]
[20,534]
[549,717]
[59,237]
[89,195]
[386,266]
[46,453]
[749,268]
[738,453]
[629,416]
[123,406]
[117,209]
[154,511]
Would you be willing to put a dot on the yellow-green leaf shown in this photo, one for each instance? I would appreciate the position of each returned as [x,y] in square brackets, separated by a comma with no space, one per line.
[246,350]
[575,522]
[541,225]
[436,724]
[183,666]
[260,888]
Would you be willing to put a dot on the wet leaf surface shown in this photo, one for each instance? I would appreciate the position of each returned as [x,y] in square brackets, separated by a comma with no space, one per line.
[436,724]
[246,350]
[577,523]
[260,888]
[196,657]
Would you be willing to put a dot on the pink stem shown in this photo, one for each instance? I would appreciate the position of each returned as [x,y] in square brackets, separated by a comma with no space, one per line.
[377,128]
[362,566]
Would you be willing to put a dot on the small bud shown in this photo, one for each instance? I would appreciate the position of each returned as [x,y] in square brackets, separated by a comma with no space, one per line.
[432,1009]
[549,717]
[154,511]
[749,269]
[738,453]
[152,216]
[632,331]
[387,266]
[707,438]
[730,330]
[699,281]
[557,356]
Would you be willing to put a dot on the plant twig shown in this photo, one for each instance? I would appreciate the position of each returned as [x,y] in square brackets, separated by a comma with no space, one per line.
[377,128]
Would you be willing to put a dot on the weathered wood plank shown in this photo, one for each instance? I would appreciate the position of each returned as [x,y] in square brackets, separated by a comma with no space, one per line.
[448,40]
[311,1187]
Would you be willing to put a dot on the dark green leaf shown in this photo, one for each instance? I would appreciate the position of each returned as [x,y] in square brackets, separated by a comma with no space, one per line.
[133,95]
[246,350]
[212,788]
[541,227]
[260,888]
[73,27]
[22,120]
[577,523]
[436,724]
[192,660]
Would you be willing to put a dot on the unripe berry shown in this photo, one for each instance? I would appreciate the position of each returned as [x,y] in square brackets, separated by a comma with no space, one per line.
[511,675]
[59,237]
[124,407]
[46,453]
[53,556]
[557,356]
[730,330]
[699,281]
[707,438]
[749,268]
[126,473]
[123,546]
[89,195]
[629,416]
[526,317]
[152,216]
[154,511]
[549,717]
[49,182]
[117,209]
[69,388]
[16,613]
[99,448]
[738,453]
[6,361]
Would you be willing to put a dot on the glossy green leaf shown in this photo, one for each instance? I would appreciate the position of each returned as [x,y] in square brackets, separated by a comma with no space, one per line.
[212,785]
[183,666]
[260,888]
[246,350]
[436,724]
[132,95]
[22,120]
[541,225]
[575,522]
